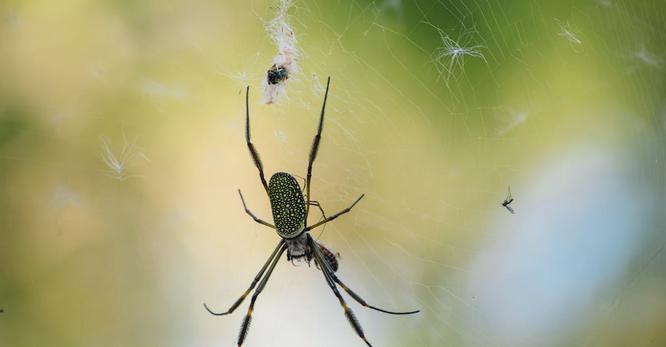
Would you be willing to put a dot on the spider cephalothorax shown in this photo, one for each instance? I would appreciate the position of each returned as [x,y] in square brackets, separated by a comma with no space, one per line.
[290,214]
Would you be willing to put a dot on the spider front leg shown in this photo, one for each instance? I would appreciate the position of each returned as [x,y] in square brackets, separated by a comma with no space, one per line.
[247,210]
[315,147]
[250,146]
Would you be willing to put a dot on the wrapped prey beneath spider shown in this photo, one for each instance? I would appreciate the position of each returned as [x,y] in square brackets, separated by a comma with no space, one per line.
[298,250]
[330,257]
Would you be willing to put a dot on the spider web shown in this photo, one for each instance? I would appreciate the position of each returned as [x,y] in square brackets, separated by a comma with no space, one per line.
[435,108]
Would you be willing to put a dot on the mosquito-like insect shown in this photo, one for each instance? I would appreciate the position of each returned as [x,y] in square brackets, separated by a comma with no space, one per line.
[290,207]
[507,201]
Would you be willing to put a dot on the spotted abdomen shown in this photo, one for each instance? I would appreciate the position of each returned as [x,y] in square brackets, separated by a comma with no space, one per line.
[287,204]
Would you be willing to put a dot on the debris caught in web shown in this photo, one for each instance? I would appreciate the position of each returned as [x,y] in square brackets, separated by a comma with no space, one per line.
[285,62]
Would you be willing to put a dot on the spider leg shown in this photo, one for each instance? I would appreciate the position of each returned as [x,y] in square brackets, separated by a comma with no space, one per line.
[315,147]
[252,214]
[248,317]
[361,301]
[348,312]
[254,283]
[304,182]
[250,146]
[328,219]
[351,293]
[316,203]
[323,215]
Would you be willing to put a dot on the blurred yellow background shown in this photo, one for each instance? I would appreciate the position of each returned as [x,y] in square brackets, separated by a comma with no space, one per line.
[122,147]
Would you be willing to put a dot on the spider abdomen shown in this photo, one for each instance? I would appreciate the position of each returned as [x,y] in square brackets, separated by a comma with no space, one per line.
[287,205]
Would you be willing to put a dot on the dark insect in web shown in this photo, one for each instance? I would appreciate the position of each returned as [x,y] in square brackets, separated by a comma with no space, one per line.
[507,201]
[276,74]
[290,206]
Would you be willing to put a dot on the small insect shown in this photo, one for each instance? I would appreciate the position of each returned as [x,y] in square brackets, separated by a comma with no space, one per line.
[330,257]
[507,201]
[276,74]
[290,210]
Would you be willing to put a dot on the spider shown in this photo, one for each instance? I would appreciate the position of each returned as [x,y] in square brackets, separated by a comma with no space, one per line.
[507,201]
[290,211]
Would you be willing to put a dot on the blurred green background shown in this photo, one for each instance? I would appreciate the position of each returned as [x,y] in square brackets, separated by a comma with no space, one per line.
[121,150]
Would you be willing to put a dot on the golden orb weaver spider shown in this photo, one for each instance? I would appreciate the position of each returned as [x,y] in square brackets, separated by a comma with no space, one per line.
[290,210]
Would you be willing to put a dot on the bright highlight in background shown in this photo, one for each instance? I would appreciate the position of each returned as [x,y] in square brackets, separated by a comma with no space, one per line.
[543,273]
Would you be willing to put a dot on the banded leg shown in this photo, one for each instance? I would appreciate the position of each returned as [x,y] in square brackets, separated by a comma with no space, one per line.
[250,146]
[248,317]
[348,312]
[315,148]
[351,293]
[326,220]
[254,283]
[362,302]
[247,210]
